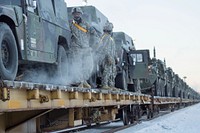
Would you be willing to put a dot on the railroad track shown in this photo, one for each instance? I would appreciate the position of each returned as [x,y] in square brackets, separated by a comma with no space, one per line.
[142,119]
[109,127]
[85,127]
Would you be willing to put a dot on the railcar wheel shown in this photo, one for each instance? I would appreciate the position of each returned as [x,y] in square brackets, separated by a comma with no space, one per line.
[125,116]
[157,88]
[133,114]
[8,52]
[148,113]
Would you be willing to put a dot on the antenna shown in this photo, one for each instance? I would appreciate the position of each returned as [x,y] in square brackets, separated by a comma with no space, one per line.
[164,62]
[154,52]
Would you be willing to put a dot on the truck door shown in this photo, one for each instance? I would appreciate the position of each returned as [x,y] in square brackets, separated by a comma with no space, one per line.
[34,36]
[41,33]
[139,60]
[50,30]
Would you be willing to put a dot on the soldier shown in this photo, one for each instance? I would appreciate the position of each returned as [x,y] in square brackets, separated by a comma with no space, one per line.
[106,50]
[80,48]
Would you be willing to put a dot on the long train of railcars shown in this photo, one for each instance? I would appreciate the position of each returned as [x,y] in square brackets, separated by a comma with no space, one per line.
[146,84]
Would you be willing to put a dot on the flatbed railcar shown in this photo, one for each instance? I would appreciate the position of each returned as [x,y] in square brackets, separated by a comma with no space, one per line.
[35,107]
[39,107]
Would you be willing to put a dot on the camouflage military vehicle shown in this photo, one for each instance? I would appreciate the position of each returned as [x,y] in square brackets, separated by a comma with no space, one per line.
[32,32]
[170,82]
[193,94]
[182,86]
[142,71]
[135,70]
[161,69]
[124,44]
[185,90]
[176,89]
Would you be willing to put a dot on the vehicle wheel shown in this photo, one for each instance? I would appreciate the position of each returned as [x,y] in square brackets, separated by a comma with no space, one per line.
[120,81]
[125,116]
[133,115]
[148,113]
[62,66]
[166,91]
[8,52]
[131,87]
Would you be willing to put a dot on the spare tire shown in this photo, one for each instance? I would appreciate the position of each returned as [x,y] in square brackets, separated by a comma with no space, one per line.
[8,53]
[120,80]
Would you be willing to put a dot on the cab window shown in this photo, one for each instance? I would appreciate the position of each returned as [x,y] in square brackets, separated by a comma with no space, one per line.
[10,2]
[60,9]
[137,57]
[5,2]
[47,10]
[16,2]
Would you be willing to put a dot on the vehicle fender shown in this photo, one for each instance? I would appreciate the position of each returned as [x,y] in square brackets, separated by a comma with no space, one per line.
[12,13]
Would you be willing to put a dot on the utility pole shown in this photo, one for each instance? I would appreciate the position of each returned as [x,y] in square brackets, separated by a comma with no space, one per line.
[184,78]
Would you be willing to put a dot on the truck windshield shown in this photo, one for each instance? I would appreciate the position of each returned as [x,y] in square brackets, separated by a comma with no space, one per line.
[10,2]
[137,57]
[5,2]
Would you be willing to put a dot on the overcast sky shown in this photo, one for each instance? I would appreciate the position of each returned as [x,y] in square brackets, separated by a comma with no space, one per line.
[172,26]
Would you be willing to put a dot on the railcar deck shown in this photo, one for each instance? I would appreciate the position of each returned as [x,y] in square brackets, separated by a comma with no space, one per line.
[26,106]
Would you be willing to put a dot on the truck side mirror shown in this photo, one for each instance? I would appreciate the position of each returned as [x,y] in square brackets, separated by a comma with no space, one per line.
[134,61]
[133,57]
[31,3]
[34,4]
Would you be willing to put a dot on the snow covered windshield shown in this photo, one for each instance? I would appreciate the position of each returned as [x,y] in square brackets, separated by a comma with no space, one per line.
[137,57]
[10,2]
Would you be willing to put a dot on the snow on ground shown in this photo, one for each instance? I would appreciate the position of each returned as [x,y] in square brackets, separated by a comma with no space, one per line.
[186,120]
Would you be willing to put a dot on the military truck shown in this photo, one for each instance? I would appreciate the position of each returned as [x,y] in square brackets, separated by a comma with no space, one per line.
[124,43]
[32,32]
[147,73]
[177,84]
[170,82]
[142,71]
[137,72]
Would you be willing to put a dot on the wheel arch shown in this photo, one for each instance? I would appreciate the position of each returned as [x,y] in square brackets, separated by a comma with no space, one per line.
[9,21]
[63,41]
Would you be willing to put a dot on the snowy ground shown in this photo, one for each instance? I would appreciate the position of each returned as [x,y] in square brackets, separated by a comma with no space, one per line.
[186,120]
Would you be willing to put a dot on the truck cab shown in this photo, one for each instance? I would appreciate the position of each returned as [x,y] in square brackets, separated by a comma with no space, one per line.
[32,32]
[141,70]
[124,44]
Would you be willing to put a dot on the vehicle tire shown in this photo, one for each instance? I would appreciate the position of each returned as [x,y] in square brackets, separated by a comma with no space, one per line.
[157,88]
[166,91]
[62,65]
[120,81]
[8,52]
[133,114]
[125,116]
[148,113]
[131,87]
